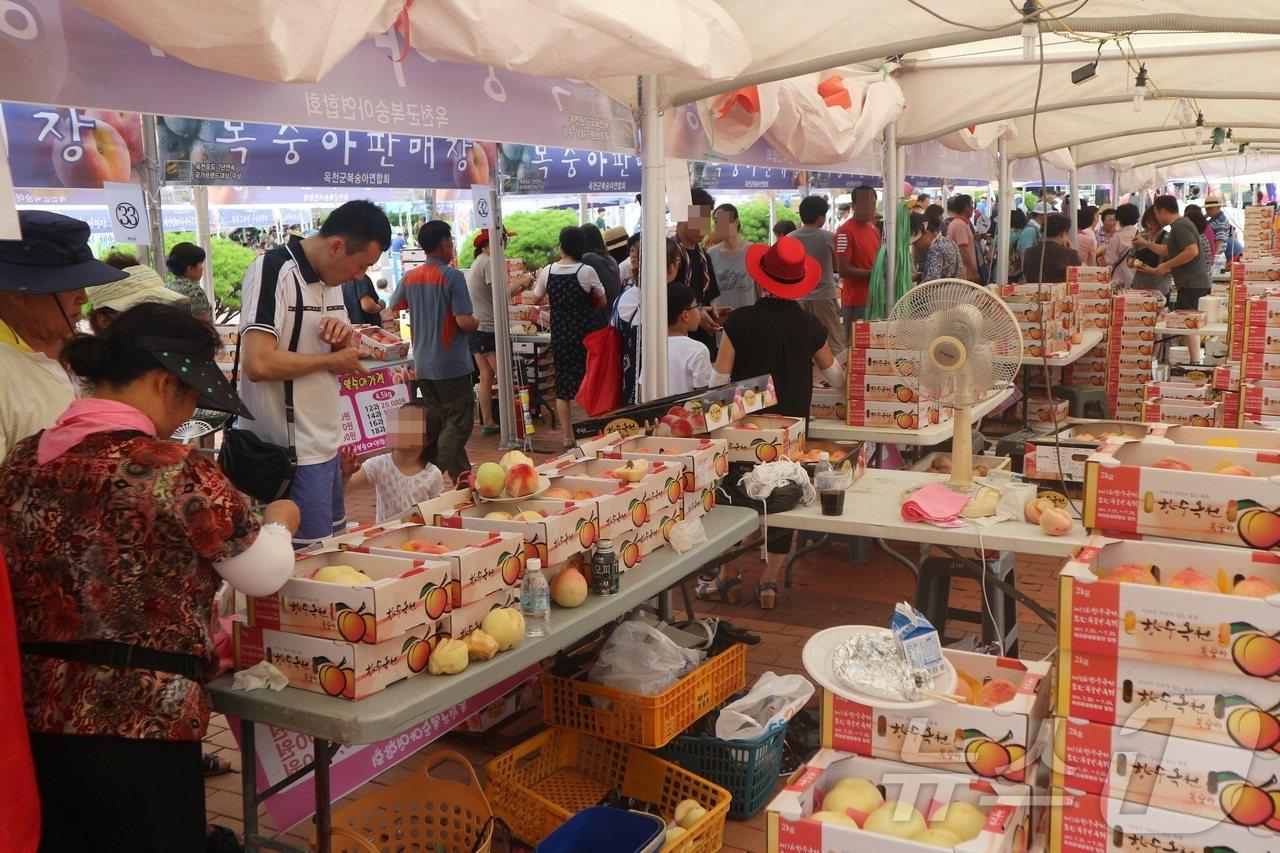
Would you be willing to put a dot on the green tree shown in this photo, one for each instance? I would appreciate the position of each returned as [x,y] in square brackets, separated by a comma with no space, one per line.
[537,239]
[229,261]
[754,219]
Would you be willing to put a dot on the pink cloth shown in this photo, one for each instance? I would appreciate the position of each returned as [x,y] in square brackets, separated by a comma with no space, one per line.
[934,503]
[84,418]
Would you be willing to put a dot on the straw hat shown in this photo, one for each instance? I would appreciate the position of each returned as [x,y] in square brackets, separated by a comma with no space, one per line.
[142,285]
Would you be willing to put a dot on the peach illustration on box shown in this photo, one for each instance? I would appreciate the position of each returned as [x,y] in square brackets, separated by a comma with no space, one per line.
[534,551]
[1257,526]
[639,511]
[336,679]
[675,489]
[994,759]
[1247,804]
[418,652]
[1250,726]
[709,500]
[435,600]
[355,625]
[1254,652]
[722,464]
[765,451]
[630,553]
[587,534]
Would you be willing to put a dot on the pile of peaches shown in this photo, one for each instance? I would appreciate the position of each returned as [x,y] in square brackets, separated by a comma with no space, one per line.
[1053,520]
[1141,573]
[859,804]
[1223,467]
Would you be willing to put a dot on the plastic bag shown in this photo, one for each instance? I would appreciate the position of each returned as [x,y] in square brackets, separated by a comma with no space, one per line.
[772,701]
[685,534]
[638,658]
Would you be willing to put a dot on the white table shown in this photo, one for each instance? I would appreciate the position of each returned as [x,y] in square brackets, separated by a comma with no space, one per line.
[1090,339]
[833,430]
[409,702]
[1212,330]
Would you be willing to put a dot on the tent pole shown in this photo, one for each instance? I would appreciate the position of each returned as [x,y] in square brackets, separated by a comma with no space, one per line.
[772,195]
[1073,183]
[1004,208]
[892,189]
[583,209]
[502,323]
[151,194]
[653,243]
[200,198]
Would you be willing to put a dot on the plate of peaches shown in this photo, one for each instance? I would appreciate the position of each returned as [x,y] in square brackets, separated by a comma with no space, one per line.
[512,479]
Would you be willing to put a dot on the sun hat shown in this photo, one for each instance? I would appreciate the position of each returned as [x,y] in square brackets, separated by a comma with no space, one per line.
[482,239]
[784,269]
[142,285]
[53,256]
[1212,202]
[1041,209]
[615,237]
[181,357]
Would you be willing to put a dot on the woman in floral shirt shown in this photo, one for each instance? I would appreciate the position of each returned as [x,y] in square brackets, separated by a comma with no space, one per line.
[186,267]
[116,541]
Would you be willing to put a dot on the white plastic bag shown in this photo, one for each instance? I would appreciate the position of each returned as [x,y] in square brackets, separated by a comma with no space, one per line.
[685,534]
[638,658]
[772,701]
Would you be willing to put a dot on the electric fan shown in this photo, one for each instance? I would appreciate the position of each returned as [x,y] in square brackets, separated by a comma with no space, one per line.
[203,422]
[962,345]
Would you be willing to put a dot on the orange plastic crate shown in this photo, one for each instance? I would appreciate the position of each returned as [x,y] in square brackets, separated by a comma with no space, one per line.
[552,776]
[647,721]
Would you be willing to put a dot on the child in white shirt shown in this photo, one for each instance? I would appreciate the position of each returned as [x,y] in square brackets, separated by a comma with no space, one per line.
[688,361]
[407,475]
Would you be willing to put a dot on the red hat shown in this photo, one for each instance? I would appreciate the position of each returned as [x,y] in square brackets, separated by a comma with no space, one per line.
[784,269]
[482,239]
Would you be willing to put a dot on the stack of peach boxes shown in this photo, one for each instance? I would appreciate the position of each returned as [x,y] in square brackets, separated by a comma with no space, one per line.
[1165,732]
[1134,316]
[1091,289]
[916,776]
[878,397]
[1260,366]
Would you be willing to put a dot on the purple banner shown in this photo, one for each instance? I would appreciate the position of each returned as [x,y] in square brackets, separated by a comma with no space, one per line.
[538,169]
[53,52]
[732,176]
[843,180]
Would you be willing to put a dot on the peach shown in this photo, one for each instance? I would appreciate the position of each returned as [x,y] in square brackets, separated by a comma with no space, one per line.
[835,819]
[1234,471]
[569,588]
[448,658]
[1256,587]
[480,646]
[1035,507]
[943,838]
[100,155]
[530,515]
[558,493]
[128,125]
[858,796]
[490,479]
[689,812]
[506,625]
[896,819]
[1192,580]
[995,692]
[513,457]
[1172,464]
[747,425]
[1131,573]
[497,515]
[1056,522]
[583,495]
[522,480]
[633,471]
[965,820]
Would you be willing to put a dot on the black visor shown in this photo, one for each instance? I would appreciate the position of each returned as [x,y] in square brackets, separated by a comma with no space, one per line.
[179,357]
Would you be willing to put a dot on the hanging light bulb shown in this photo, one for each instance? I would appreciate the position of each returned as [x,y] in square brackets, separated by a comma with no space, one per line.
[1139,89]
[1030,30]
[1199,131]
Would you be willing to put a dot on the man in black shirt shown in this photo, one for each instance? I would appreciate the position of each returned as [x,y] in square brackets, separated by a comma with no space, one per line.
[361,299]
[695,267]
[1056,251]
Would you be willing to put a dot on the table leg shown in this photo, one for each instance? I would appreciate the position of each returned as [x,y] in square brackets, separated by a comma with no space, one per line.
[249,785]
[324,822]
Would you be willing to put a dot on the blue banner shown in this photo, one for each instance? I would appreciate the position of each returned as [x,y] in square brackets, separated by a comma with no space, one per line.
[542,170]
[732,176]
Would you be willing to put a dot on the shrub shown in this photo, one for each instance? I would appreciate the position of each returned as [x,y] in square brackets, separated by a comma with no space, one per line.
[754,219]
[537,239]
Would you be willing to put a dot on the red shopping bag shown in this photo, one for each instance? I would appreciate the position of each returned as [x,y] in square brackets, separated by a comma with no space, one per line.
[601,388]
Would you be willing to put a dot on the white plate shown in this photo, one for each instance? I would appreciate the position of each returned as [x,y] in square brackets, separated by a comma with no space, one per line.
[817,661]
[543,485]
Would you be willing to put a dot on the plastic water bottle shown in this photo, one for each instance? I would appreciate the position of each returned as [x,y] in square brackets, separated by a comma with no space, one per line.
[823,465]
[535,600]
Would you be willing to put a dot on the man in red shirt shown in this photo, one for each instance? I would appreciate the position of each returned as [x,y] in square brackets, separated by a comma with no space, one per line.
[960,230]
[857,243]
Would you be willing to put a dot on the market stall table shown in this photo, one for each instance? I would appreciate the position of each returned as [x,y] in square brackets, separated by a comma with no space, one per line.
[408,703]
[833,430]
[1212,330]
[1089,340]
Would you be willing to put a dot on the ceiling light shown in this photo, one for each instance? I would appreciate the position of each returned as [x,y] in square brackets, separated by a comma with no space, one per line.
[1139,89]
[1030,30]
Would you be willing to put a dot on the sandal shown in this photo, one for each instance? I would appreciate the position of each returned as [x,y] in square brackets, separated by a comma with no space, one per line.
[215,765]
[712,588]
[766,595]
[489,430]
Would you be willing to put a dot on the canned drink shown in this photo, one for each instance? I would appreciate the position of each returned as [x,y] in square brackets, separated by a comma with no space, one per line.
[605,574]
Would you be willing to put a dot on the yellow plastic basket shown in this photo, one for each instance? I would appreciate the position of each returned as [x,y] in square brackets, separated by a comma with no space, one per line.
[647,721]
[552,776]
[419,813]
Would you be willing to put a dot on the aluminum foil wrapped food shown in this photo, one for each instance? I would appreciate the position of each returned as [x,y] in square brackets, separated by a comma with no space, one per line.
[873,663]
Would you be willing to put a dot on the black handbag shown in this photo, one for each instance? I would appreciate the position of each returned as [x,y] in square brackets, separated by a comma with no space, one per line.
[260,469]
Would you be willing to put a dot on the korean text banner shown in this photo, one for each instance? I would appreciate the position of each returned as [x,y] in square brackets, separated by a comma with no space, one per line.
[538,169]
[52,52]
[72,148]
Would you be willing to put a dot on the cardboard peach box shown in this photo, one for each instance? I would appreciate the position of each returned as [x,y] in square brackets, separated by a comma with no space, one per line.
[762,438]
[1027,310]
[403,590]
[1174,390]
[903,416]
[1062,456]
[996,742]
[1139,695]
[1133,346]
[334,667]
[790,829]
[1211,437]
[1089,823]
[1261,365]
[381,344]
[1047,292]
[1263,340]
[870,334]
[1185,412]
[884,389]
[1168,622]
[1185,319]
[1260,398]
[1185,776]
[1082,275]
[658,487]
[1045,411]
[874,362]
[460,621]
[1261,310]
[1124,492]
[829,403]
[704,460]
[567,529]
[480,562]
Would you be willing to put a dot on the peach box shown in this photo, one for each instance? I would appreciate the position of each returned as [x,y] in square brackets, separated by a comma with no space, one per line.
[1088,823]
[1180,701]
[1174,390]
[381,344]
[1063,455]
[622,516]
[1263,340]
[403,590]
[1124,493]
[1214,437]
[995,742]
[1185,412]
[657,488]
[1166,624]
[1261,365]
[1256,270]
[870,334]
[883,389]
[873,362]
[776,436]
[569,528]
[1185,319]
[460,621]
[1047,292]
[1262,310]
[1043,410]
[1088,275]
[481,562]
[334,667]
[1027,310]
[1133,346]
[829,403]
[704,460]
[1260,398]
[1150,768]
[903,416]
[790,829]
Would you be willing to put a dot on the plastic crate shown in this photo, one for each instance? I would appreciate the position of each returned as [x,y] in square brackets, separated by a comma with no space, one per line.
[647,721]
[749,769]
[552,776]
[628,832]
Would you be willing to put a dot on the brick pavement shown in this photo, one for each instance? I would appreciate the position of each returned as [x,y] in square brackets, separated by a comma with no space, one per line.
[827,590]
